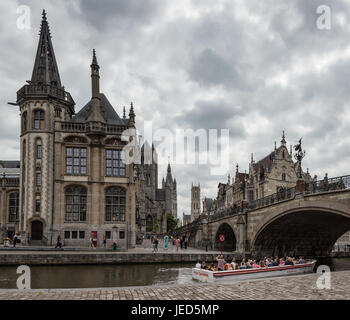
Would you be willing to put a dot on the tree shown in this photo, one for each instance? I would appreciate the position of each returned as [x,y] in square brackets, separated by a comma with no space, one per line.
[171,222]
[155,227]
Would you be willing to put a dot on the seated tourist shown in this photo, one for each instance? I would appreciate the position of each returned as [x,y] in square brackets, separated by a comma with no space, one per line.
[211,267]
[234,264]
[301,260]
[243,265]
[198,265]
[275,262]
[203,265]
[289,262]
[262,264]
[227,266]
[282,262]
[255,265]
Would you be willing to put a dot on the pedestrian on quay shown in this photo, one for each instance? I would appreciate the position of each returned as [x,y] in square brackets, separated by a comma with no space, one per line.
[104,241]
[14,240]
[92,243]
[177,242]
[58,243]
[185,243]
[181,243]
[156,242]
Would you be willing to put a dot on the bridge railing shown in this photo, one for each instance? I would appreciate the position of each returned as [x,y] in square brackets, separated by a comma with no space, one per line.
[333,184]
[283,195]
[224,213]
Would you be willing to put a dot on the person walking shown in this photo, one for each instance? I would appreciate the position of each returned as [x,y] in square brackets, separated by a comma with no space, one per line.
[15,240]
[91,243]
[104,241]
[185,243]
[314,183]
[156,242]
[58,243]
[177,243]
[325,182]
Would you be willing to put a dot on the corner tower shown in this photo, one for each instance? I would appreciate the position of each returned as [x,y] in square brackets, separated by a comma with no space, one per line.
[42,100]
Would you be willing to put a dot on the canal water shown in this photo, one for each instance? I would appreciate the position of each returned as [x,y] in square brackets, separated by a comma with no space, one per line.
[98,276]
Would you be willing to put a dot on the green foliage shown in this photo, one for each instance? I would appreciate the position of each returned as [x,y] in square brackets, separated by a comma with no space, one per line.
[155,227]
[172,223]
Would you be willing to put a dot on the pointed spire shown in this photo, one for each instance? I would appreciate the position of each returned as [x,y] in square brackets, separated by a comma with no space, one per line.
[131,116]
[45,69]
[291,150]
[124,113]
[228,178]
[237,168]
[96,114]
[283,141]
[252,158]
[275,145]
[95,76]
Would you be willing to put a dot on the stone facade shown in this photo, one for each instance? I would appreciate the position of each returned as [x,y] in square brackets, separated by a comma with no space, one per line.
[75,177]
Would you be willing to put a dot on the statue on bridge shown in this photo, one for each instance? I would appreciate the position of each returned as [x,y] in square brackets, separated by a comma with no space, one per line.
[300,154]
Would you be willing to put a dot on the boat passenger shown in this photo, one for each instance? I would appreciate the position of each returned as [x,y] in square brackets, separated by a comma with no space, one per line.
[243,265]
[227,266]
[221,262]
[275,262]
[301,260]
[203,265]
[255,265]
[289,262]
[233,264]
[262,264]
[198,265]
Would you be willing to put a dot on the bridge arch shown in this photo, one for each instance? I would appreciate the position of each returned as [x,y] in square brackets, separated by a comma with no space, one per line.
[304,228]
[230,242]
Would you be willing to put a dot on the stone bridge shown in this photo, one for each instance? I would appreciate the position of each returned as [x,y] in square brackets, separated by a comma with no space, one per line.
[306,222]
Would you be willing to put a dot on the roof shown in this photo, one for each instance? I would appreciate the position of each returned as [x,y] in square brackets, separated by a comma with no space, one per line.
[108,113]
[160,194]
[208,203]
[9,164]
[10,172]
[265,163]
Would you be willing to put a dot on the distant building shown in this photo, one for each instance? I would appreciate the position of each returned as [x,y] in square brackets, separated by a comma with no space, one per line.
[195,202]
[186,218]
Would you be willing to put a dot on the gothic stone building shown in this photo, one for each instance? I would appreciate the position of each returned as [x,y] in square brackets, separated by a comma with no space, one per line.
[265,177]
[74,180]
[155,203]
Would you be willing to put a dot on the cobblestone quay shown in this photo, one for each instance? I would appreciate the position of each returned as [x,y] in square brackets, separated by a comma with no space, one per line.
[302,287]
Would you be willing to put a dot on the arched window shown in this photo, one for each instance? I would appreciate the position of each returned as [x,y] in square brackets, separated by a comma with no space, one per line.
[283,177]
[76,203]
[39,117]
[149,223]
[13,207]
[115,204]
[24,121]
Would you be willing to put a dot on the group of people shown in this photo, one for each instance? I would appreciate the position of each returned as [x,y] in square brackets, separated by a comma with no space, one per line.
[222,264]
[180,243]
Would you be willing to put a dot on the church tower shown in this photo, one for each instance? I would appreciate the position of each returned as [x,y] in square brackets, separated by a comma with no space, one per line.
[42,100]
[195,202]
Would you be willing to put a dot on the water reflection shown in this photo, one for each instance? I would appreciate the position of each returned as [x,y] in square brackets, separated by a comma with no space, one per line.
[96,276]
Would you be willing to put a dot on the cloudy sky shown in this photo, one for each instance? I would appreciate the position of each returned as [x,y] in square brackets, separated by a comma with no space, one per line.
[253,67]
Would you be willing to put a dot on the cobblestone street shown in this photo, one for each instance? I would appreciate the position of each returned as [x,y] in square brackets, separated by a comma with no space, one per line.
[301,287]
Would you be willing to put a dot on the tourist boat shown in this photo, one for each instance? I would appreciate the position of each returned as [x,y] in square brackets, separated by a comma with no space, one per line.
[256,273]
